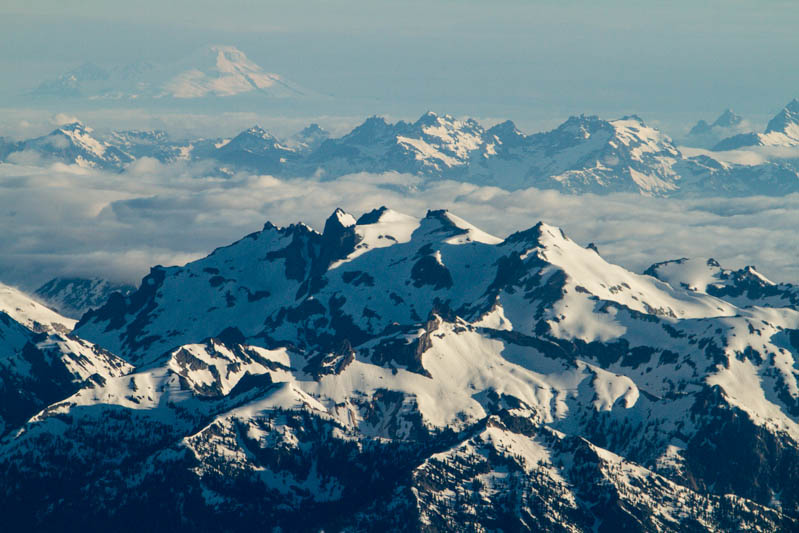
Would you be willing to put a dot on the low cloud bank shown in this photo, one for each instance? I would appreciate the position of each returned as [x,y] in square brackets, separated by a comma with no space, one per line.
[63,220]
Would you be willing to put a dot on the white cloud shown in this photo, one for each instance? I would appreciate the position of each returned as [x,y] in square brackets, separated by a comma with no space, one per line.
[63,220]
[61,119]
[751,155]
[26,157]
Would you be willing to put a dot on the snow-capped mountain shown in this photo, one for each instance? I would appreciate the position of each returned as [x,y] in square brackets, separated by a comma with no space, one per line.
[255,149]
[781,131]
[31,314]
[786,121]
[584,154]
[155,144]
[75,143]
[590,154]
[745,287]
[727,119]
[211,72]
[79,144]
[40,361]
[707,135]
[309,139]
[225,71]
[433,145]
[72,297]
[401,374]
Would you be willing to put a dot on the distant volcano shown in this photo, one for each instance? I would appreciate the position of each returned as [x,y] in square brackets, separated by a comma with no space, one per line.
[213,71]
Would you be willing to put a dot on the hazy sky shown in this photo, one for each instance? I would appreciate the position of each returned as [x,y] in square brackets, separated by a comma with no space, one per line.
[534,61]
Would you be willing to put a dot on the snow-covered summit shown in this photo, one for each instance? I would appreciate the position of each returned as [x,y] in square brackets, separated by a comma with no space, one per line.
[255,149]
[786,121]
[584,154]
[75,143]
[225,71]
[309,138]
[214,71]
[745,287]
[390,367]
[781,131]
[727,119]
[414,262]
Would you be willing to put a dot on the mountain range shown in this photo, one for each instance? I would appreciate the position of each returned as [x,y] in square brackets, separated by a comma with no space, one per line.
[401,374]
[585,154]
[781,131]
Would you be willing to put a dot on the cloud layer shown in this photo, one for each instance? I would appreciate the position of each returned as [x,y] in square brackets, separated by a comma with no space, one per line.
[63,220]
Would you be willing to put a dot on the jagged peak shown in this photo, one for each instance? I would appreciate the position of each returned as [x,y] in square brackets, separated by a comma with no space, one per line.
[438,220]
[536,234]
[727,118]
[652,270]
[507,127]
[431,120]
[436,213]
[787,117]
[583,126]
[372,217]
[459,230]
[339,218]
[581,119]
[750,271]
[257,131]
[76,126]
[312,129]
[634,118]
[300,228]
[428,118]
[339,238]
[447,219]
[698,274]
[371,128]
[375,120]
[296,227]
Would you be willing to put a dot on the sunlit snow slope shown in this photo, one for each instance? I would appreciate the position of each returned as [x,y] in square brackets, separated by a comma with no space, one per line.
[392,373]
